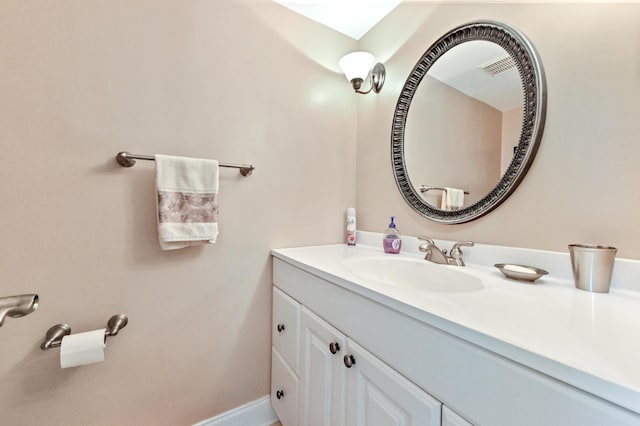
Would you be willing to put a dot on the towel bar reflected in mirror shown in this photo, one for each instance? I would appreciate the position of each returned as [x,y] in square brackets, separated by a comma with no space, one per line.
[424,188]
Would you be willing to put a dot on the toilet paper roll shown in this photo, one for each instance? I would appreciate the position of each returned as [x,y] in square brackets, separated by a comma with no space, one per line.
[82,348]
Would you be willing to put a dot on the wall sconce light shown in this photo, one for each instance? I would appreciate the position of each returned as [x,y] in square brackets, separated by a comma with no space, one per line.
[356,66]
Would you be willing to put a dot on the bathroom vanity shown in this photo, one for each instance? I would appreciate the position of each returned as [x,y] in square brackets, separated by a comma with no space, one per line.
[351,349]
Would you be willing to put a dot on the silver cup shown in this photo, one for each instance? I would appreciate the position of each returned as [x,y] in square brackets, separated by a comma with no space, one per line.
[592,266]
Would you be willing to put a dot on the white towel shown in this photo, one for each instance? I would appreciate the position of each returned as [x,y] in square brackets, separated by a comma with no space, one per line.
[452,199]
[187,190]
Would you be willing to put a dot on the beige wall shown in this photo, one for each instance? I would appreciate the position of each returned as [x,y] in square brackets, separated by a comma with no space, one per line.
[511,130]
[583,184]
[448,131]
[81,80]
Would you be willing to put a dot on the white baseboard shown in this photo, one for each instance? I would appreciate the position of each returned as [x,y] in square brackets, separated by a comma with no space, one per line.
[254,413]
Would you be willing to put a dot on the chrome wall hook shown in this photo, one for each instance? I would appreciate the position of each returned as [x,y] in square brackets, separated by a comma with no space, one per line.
[17,306]
[53,338]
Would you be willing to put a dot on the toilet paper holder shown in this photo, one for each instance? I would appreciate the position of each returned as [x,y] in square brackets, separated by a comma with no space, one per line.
[53,338]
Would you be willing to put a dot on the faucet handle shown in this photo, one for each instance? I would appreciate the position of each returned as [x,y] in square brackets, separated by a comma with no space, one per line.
[455,252]
[426,247]
[427,239]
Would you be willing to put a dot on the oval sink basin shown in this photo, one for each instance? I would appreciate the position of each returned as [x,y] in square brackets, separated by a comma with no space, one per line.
[416,274]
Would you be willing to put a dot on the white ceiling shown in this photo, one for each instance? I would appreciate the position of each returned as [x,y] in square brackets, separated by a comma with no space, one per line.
[351,17]
[460,69]
[355,17]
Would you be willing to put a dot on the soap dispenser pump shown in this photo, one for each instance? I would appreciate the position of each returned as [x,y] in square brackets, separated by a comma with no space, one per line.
[391,241]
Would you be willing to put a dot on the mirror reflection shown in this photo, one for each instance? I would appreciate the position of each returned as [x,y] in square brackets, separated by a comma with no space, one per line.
[467,121]
[463,125]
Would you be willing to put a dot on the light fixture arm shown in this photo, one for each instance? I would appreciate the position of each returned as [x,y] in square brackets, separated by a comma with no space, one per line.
[376,79]
[364,93]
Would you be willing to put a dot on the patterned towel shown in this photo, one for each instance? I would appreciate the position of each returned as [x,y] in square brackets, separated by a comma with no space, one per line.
[187,191]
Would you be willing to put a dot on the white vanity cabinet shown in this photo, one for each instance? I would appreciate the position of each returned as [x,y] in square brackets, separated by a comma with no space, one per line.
[320,377]
[406,371]
[343,384]
[449,418]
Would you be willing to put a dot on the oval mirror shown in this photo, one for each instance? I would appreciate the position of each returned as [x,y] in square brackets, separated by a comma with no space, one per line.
[468,122]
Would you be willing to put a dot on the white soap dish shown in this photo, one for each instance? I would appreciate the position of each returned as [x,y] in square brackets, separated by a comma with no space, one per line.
[520,272]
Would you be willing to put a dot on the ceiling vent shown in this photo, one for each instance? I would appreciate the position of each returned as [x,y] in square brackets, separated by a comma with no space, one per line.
[498,66]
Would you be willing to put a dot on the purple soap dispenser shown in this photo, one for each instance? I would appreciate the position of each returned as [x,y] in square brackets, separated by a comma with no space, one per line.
[391,241]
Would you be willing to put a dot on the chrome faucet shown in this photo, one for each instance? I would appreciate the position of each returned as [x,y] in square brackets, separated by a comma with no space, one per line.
[434,254]
[17,306]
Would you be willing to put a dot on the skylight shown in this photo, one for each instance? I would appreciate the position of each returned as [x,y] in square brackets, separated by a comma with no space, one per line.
[353,18]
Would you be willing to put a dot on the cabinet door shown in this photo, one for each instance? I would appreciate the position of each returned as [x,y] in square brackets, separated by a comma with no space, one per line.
[450,418]
[322,372]
[377,395]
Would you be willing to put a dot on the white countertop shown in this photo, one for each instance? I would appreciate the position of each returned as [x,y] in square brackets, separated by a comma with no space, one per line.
[588,340]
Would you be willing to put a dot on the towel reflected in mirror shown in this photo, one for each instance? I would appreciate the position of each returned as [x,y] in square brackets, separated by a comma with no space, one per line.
[452,199]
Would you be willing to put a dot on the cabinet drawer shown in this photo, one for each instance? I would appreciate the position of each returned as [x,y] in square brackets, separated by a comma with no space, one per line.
[284,390]
[284,328]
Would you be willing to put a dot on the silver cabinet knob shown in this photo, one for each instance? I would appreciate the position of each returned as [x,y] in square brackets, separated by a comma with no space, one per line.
[334,347]
[349,361]
[279,394]
[280,328]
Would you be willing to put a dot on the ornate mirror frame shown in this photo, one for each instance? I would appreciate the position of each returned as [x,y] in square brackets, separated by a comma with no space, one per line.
[535,101]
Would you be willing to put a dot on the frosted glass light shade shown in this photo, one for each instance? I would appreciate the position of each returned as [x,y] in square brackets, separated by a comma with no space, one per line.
[357,65]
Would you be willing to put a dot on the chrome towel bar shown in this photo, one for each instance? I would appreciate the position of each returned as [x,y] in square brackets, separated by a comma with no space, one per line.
[126,159]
